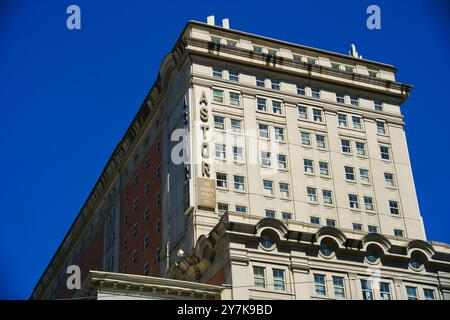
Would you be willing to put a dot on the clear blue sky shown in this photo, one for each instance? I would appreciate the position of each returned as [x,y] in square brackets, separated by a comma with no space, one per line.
[67,97]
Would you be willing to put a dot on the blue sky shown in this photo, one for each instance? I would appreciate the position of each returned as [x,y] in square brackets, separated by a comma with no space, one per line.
[66,98]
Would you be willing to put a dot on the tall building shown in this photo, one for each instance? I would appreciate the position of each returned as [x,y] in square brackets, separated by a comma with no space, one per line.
[272,169]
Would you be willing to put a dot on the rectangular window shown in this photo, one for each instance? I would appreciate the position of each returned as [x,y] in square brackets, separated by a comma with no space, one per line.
[340,97]
[221,180]
[234,99]
[311,60]
[429,294]
[261,82]
[275,84]
[312,194]
[357,227]
[303,112]
[315,93]
[398,233]
[385,291]
[319,283]
[368,203]
[364,174]
[309,166]
[342,118]
[393,207]
[217,73]
[268,188]
[236,125]
[384,151]
[306,138]
[335,66]
[297,58]
[354,101]
[349,69]
[146,269]
[324,171]
[222,208]
[265,158]
[372,229]
[346,146]
[317,115]
[219,123]
[284,190]
[220,151]
[301,89]
[327,197]
[367,292]
[263,131]
[279,134]
[331,223]
[314,220]
[286,216]
[238,154]
[381,128]
[233,76]
[259,277]
[320,142]
[215,40]
[378,105]
[389,178]
[262,104]
[257,49]
[241,209]
[278,279]
[239,183]
[373,74]
[276,107]
[270,213]
[357,123]
[411,293]
[281,161]
[134,231]
[350,173]
[360,148]
[338,285]
[218,96]
[353,201]
[272,52]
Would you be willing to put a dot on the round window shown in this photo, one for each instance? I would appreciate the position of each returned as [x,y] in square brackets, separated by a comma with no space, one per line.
[268,239]
[326,250]
[372,257]
[415,264]
[417,261]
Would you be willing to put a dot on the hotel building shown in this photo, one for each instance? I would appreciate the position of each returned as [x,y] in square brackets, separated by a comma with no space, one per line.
[270,169]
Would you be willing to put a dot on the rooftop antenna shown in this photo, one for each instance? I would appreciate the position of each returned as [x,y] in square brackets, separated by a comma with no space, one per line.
[353,52]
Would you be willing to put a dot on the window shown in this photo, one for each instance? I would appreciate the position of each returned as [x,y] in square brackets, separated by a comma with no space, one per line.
[297,58]
[349,69]
[319,283]
[146,188]
[350,173]
[218,96]
[135,205]
[356,123]
[279,134]
[360,148]
[311,60]
[306,139]
[312,194]
[259,277]
[270,213]
[263,131]
[221,180]
[315,92]
[342,120]
[158,255]
[338,285]
[381,128]
[239,183]
[327,197]
[346,146]
[236,125]
[220,151]
[373,74]
[324,169]
[268,188]
[314,220]
[385,291]
[357,227]
[368,203]
[303,112]
[217,73]
[335,66]
[393,207]
[234,99]
[134,257]
[272,52]
[222,208]
[262,104]
[354,101]
[238,154]
[241,209]
[275,84]
[398,233]
[265,158]
[411,293]
[331,223]
[146,213]
[219,123]
[286,216]
[309,166]
[146,241]
[134,230]
[284,190]
[320,142]
[276,107]
[317,115]
[353,201]
[260,82]
[429,294]
[281,161]
[146,269]
[372,229]
[384,152]
[278,279]
[257,49]
[366,286]
[158,199]
[389,178]
[233,76]
[301,89]
[364,174]
[378,105]
[215,40]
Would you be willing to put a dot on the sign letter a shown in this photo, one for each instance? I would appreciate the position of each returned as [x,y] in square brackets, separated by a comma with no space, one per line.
[203,99]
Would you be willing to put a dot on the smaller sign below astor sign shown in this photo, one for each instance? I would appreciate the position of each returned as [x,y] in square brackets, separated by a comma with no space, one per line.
[206,193]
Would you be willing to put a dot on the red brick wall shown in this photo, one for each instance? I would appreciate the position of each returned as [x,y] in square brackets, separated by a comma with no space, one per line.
[218,278]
